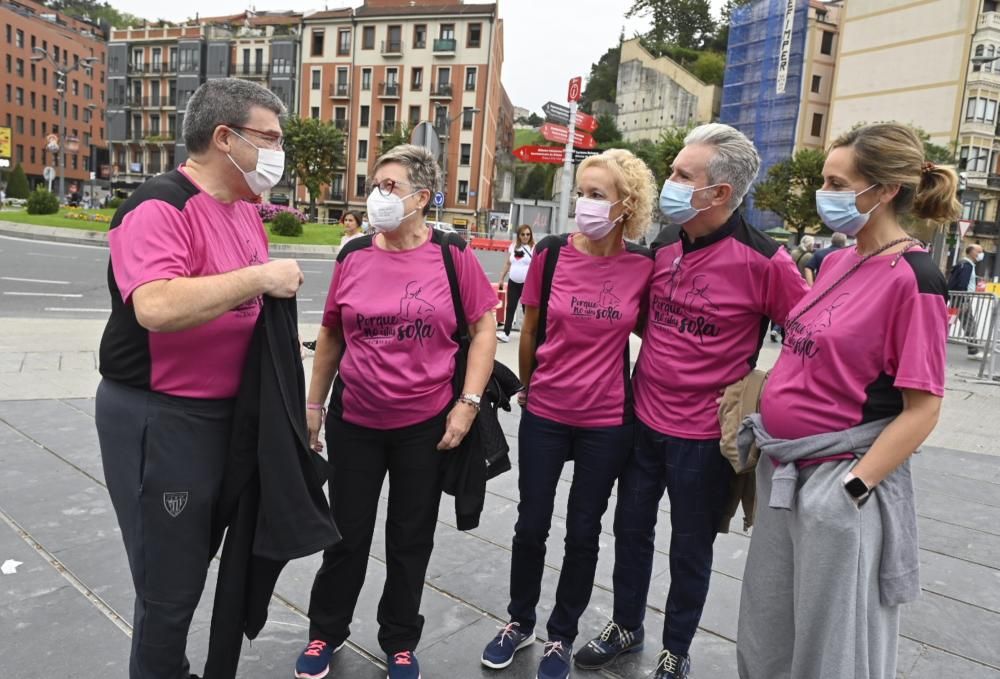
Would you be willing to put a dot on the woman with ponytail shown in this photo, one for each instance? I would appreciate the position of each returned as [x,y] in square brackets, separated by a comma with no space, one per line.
[856,390]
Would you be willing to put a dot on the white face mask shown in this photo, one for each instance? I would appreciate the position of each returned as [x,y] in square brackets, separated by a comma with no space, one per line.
[267,173]
[980,257]
[386,213]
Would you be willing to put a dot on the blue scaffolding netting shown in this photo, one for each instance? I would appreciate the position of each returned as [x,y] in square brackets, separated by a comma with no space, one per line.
[750,100]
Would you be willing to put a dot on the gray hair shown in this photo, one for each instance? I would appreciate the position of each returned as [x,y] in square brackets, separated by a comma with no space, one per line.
[422,169]
[736,161]
[806,241]
[838,240]
[223,101]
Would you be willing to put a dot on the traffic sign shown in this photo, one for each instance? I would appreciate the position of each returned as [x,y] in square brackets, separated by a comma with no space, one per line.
[49,173]
[585,122]
[540,154]
[438,199]
[72,144]
[580,155]
[52,142]
[575,89]
[560,135]
[963,226]
[557,113]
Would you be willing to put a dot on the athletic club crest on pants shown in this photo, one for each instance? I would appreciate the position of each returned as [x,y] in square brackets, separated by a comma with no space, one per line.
[175,503]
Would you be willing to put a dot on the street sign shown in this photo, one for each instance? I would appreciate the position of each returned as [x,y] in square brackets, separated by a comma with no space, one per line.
[540,154]
[49,173]
[575,89]
[579,156]
[72,144]
[557,113]
[438,199]
[425,135]
[52,143]
[585,122]
[963,226]
[560,135]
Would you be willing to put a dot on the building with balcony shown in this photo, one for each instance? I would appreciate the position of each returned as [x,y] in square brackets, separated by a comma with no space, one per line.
[655,93]
[778,79]
[382,68]
[154,70]
[32,91]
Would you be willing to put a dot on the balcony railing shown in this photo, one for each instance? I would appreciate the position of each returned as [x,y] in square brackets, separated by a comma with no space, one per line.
[388,127]
[162,68]
[441,90]
[144,102]
[340,90]
[341,123]
[445,45]
[392,48]
[250,70]
[984,228]
[335,195]
[390,90]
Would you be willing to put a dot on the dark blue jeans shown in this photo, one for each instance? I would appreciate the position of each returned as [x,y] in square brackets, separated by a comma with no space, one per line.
[598,454]
[696,477]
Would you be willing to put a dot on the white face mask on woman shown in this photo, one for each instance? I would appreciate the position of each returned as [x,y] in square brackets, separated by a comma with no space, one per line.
[386,213]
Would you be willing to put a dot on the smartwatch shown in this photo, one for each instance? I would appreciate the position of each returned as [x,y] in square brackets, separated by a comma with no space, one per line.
[856,488]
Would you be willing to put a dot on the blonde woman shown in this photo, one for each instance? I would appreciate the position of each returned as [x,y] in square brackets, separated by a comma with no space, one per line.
[574,361]
[519,256]
[856,390]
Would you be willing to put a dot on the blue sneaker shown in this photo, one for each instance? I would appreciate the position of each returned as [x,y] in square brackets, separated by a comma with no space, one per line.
[608,645]
[403,665]
[499,653]
[314,662]
[555,660]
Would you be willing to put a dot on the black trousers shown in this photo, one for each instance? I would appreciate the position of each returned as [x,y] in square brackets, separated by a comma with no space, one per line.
[513,297]
[360,458]
[164,459]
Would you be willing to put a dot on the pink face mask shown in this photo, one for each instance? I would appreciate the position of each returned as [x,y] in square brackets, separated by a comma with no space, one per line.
[593,217]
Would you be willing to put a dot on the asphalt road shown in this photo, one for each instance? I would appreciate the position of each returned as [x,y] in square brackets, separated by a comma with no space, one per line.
[41,279]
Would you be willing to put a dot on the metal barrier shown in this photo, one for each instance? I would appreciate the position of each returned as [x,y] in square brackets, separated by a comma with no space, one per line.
[972,322]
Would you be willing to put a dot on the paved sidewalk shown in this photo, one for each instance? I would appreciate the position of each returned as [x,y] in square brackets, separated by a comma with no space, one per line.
[66,611]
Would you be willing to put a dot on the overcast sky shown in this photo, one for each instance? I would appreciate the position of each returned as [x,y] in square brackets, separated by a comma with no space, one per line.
[546,41]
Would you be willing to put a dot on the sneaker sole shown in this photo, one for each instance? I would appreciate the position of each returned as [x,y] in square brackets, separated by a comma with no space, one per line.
[601,666]
[528,641]
[303,675]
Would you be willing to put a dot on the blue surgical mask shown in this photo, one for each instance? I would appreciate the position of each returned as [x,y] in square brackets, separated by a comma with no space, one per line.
[675,201]
[839,211]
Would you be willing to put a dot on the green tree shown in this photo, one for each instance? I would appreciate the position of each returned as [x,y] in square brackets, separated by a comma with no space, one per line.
[400,135]
[602,83]
[709,67]
[17,185]
[607,133]
[535,180]
[790,190]
[314,149]
[535,120]
[685,23]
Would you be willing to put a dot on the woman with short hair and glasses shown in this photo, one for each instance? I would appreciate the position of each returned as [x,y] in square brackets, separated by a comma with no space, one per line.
[519,256]
[387,337]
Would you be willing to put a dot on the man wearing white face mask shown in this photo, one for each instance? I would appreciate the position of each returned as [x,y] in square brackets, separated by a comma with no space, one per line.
[963,279]
[188,270]
[716,283]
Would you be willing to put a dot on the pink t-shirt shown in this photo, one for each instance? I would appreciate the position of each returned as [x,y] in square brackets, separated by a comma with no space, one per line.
[709,306]
[179,231]
[582,376]
[398,320]
[844,362]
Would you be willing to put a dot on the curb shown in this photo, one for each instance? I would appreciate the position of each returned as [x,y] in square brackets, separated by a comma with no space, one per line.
[57,234]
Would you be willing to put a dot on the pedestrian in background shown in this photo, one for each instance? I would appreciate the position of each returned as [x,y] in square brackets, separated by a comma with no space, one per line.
[519,256]
[388,336]
[574,361]
[188,267]
[963,279]
[716,282]
[837,242]
[856,390]
[802,254]
[352,226]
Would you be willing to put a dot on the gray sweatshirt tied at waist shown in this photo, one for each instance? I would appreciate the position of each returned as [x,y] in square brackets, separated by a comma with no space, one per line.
[899,571]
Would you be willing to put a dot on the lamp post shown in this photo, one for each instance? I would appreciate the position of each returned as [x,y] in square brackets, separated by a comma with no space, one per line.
[62,72]
[444,149]
[93,155]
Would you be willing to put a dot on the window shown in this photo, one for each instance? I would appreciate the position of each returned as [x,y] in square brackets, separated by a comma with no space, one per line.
[19,38]
[365,114]
[45,102]
[447,31]
[32,72]
[343,41]
[417,79]
[32,127]
[314,112]
[316,75]
[420,36]
[9,62]
[362,149]
[366,78]
[19,98]
[75,162]
[45,76]
[826,46]
[470,79]
[32,100]
[367,37]
[359,185]
[9,32]
[475,36]
[395,41]
[9,96]
[19,67]
[414,116]
[76,112]
[467,118]
[391,77]
[154,125]
[20,153]
[88,92]
[991,111]
[463,191]
[317,43]
[816,83]
[444,76]
[76,88]
[32,149]
[441,119]
[465,156]
[817,125]
[19,127]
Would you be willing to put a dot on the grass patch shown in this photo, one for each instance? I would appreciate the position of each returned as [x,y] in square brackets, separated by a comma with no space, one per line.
[312,234]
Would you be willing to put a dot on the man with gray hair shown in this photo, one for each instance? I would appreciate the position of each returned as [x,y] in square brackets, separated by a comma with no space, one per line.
[837,242]
[189,266]
[716,282]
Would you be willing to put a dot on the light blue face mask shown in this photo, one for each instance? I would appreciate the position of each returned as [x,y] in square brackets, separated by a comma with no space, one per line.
[675,201]
[839,211]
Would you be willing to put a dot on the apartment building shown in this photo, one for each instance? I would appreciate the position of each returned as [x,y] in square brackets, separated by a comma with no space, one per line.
[388,65]
[32,90]
[154,70]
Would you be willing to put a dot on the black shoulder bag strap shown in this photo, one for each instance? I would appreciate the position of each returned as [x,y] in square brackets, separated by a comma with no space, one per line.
[551,257]
[462,329]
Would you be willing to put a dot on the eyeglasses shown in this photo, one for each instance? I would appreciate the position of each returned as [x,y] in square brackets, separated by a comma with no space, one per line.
[385,187]
[269,137]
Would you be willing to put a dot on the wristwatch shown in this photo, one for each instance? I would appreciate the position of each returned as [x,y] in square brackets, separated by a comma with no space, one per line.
[856,488]
[473,400]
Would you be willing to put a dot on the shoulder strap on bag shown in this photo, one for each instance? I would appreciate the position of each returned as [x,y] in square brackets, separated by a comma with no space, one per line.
[446,240]
[552,245]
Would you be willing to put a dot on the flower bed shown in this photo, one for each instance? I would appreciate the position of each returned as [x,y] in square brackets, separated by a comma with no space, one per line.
[269,211]
[85,216]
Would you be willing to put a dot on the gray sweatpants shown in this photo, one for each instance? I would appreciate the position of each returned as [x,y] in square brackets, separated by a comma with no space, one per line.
[810,606]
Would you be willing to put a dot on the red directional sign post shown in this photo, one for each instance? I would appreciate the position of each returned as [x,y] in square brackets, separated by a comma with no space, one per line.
[585,122]
[575,89]
[560,135]
[540,154]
